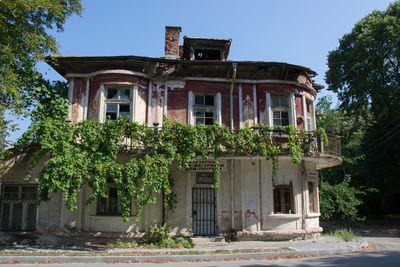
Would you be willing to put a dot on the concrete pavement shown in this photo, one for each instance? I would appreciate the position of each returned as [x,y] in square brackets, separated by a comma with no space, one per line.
[250,250]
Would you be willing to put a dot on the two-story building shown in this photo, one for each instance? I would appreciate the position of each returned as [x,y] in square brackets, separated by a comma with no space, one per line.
[193,83]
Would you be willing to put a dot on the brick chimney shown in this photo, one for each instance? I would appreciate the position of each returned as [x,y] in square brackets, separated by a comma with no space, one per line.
[172,42]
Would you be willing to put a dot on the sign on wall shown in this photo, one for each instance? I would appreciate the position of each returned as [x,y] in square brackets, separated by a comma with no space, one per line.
[312,176]
[206,166]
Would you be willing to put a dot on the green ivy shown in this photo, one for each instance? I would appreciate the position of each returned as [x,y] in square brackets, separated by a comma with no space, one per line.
[86,154]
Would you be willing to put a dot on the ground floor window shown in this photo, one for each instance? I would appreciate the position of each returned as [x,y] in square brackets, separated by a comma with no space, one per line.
[283,199]
[18,207]
[110,205]
[312,197]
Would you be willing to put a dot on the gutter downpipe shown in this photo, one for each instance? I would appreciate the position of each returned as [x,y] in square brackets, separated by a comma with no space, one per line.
[234,65]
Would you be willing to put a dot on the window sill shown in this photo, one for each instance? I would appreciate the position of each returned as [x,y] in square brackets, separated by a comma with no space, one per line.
[313,215]
[284,216]
[108,217]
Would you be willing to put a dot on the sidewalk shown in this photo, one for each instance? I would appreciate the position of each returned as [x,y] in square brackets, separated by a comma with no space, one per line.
[325,245]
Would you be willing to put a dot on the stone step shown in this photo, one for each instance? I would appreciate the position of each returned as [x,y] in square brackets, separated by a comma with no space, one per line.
[208,239]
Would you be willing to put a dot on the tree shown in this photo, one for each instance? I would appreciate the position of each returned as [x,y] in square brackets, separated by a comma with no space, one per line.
[365,72]
[24,41]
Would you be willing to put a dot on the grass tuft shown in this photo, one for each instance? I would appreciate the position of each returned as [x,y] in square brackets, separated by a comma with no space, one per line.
[346,234]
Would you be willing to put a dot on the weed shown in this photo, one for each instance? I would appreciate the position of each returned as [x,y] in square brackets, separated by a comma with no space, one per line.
[346,234]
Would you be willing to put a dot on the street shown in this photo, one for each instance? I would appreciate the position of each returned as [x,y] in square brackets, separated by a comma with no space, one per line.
[387,258]
[387,254]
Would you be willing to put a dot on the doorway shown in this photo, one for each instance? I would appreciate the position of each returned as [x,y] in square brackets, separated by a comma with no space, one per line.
[203,211]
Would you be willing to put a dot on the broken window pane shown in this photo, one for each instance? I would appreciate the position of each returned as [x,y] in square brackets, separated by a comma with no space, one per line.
[209,100]
[124,110]
[112,93]
[125,94]
[199,100]
[207,54]
[10,192]
[209,121]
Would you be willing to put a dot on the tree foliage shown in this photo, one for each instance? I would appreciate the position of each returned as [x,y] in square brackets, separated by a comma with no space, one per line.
[86,154]
[24,41]
[340,200]
[365,72]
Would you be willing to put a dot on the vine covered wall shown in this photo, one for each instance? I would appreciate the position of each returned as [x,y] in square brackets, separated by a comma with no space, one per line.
[84,154]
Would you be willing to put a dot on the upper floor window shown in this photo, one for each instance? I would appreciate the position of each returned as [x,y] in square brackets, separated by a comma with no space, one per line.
[204,109]
[207,54]
[309,116]
[117,102]
[280,110]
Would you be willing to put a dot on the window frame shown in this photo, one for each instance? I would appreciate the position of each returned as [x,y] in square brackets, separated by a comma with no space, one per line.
[107,204]
[280,108]
[284,208]
[312,197]
[118,101]
[205,108]
[27,202]
[309,115]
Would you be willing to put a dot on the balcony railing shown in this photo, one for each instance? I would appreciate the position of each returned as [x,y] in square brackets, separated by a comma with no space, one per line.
[316,145]
[333,147]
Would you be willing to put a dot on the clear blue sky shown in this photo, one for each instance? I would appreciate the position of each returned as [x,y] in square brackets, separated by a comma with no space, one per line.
[299,32]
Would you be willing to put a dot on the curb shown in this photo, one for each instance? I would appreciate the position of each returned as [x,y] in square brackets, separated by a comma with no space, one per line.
[178,258]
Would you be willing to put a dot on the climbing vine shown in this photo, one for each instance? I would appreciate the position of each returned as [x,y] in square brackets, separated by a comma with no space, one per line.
[136,159]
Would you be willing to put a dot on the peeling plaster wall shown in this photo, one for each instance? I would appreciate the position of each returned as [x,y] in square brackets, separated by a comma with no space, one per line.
[224,89]
[252,201]
[157,103]
[177,106]
[78,100]
[247,104]
[95,94]
[299,111]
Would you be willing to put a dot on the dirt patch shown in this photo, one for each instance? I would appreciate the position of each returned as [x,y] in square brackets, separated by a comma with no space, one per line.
[386,226]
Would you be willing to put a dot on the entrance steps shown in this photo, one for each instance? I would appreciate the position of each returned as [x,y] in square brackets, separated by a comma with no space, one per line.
[204,240]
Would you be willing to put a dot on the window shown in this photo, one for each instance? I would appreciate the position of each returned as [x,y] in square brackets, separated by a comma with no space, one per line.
[280,110]
[207,54]
[283,199]
[18,207]
[312,197]
[309,113]
[204,109]
[110,205]
[205,178]
[117,102]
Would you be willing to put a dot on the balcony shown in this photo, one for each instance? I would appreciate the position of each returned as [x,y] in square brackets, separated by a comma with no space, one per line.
[324,154]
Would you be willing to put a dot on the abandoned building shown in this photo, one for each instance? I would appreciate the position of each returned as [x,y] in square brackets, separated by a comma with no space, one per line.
[191,84]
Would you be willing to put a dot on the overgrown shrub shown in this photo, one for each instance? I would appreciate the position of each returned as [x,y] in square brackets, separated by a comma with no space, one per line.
[340,200]
[159,237]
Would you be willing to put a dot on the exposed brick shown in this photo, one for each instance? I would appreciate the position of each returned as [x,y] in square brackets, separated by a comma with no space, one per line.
[172,42]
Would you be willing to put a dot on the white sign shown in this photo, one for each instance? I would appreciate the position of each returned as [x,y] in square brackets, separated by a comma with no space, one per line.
[206,166]
[312,176]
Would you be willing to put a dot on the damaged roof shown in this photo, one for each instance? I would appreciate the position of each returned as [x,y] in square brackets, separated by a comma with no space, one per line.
[176,67]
